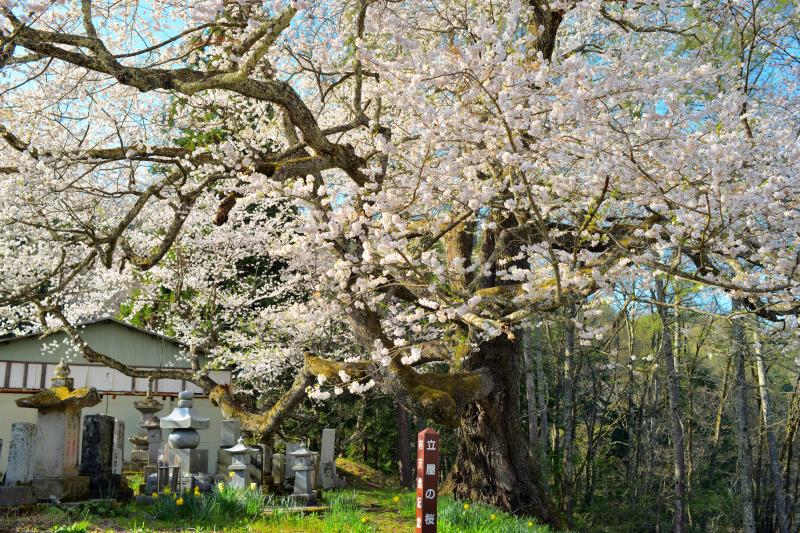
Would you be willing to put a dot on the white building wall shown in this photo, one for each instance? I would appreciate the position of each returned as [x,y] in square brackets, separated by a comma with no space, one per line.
[119,406]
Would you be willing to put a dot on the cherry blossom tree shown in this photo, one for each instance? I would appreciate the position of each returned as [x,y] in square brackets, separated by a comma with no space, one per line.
[380,193]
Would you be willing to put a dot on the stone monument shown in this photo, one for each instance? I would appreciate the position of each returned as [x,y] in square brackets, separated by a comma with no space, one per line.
[327,458]
[118,447]
[17,490]
[21,454]
[147,442]
[184,438]
[58,422]
[278,470]
[101,456]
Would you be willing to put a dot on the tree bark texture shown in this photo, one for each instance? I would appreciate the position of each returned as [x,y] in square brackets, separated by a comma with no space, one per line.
[528,346]
[742,426]
[404,448]
[673,381]
[493,464]
[776,474]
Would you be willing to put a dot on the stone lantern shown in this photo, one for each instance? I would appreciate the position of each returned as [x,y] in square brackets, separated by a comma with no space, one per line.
[59,427]
[303,475]
[184,438]
[239,475]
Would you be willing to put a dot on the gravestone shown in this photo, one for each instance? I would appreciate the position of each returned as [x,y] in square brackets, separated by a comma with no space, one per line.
[229,433]
[101,456]
[17,491]
[58,421]
[327,458]
[98,443]
[21,454]
[118,447]
[427,480]
[278,469]
[317,479]
[184,421]
[97,453]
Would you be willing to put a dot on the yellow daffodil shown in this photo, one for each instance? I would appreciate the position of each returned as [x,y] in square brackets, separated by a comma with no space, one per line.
[197,491]
[466,507]
[363,520]
[221,486]
[155,495]
[530,524]
[253,486]
[396,499]
[231,474]
[492,517]
[166,490]
[179,501]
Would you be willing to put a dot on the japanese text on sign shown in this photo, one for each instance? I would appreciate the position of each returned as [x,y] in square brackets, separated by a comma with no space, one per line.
[427,480]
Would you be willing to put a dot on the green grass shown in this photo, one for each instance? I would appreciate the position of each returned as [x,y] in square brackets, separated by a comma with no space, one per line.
[239,511]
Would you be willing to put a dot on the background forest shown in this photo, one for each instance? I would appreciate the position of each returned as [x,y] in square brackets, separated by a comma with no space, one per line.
[598,415]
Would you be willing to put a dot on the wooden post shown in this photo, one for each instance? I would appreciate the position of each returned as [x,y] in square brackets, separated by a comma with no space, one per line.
[427,480]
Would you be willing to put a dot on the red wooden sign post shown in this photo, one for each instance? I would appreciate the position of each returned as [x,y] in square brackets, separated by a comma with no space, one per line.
[427,479]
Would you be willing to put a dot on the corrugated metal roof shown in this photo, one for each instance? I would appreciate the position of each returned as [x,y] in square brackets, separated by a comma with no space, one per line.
[101,321]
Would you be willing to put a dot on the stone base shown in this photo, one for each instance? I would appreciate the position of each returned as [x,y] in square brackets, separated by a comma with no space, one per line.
[66,489]
[305,499]
[192,461]
[109,486]
[150,485]
[16,496]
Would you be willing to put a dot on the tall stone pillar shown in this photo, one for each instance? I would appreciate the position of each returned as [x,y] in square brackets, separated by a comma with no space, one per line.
[147,443]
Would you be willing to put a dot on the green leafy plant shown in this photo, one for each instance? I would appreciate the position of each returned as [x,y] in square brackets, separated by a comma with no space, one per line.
[76,527]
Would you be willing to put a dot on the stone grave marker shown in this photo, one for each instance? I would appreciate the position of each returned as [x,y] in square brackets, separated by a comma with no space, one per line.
[278,469]
[184,421]
[21,453]
[229,432]
[97,453]
[17,490]
[118,447]
[327,458]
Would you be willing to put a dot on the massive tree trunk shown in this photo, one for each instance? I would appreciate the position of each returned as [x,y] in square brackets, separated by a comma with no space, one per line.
[493,464]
